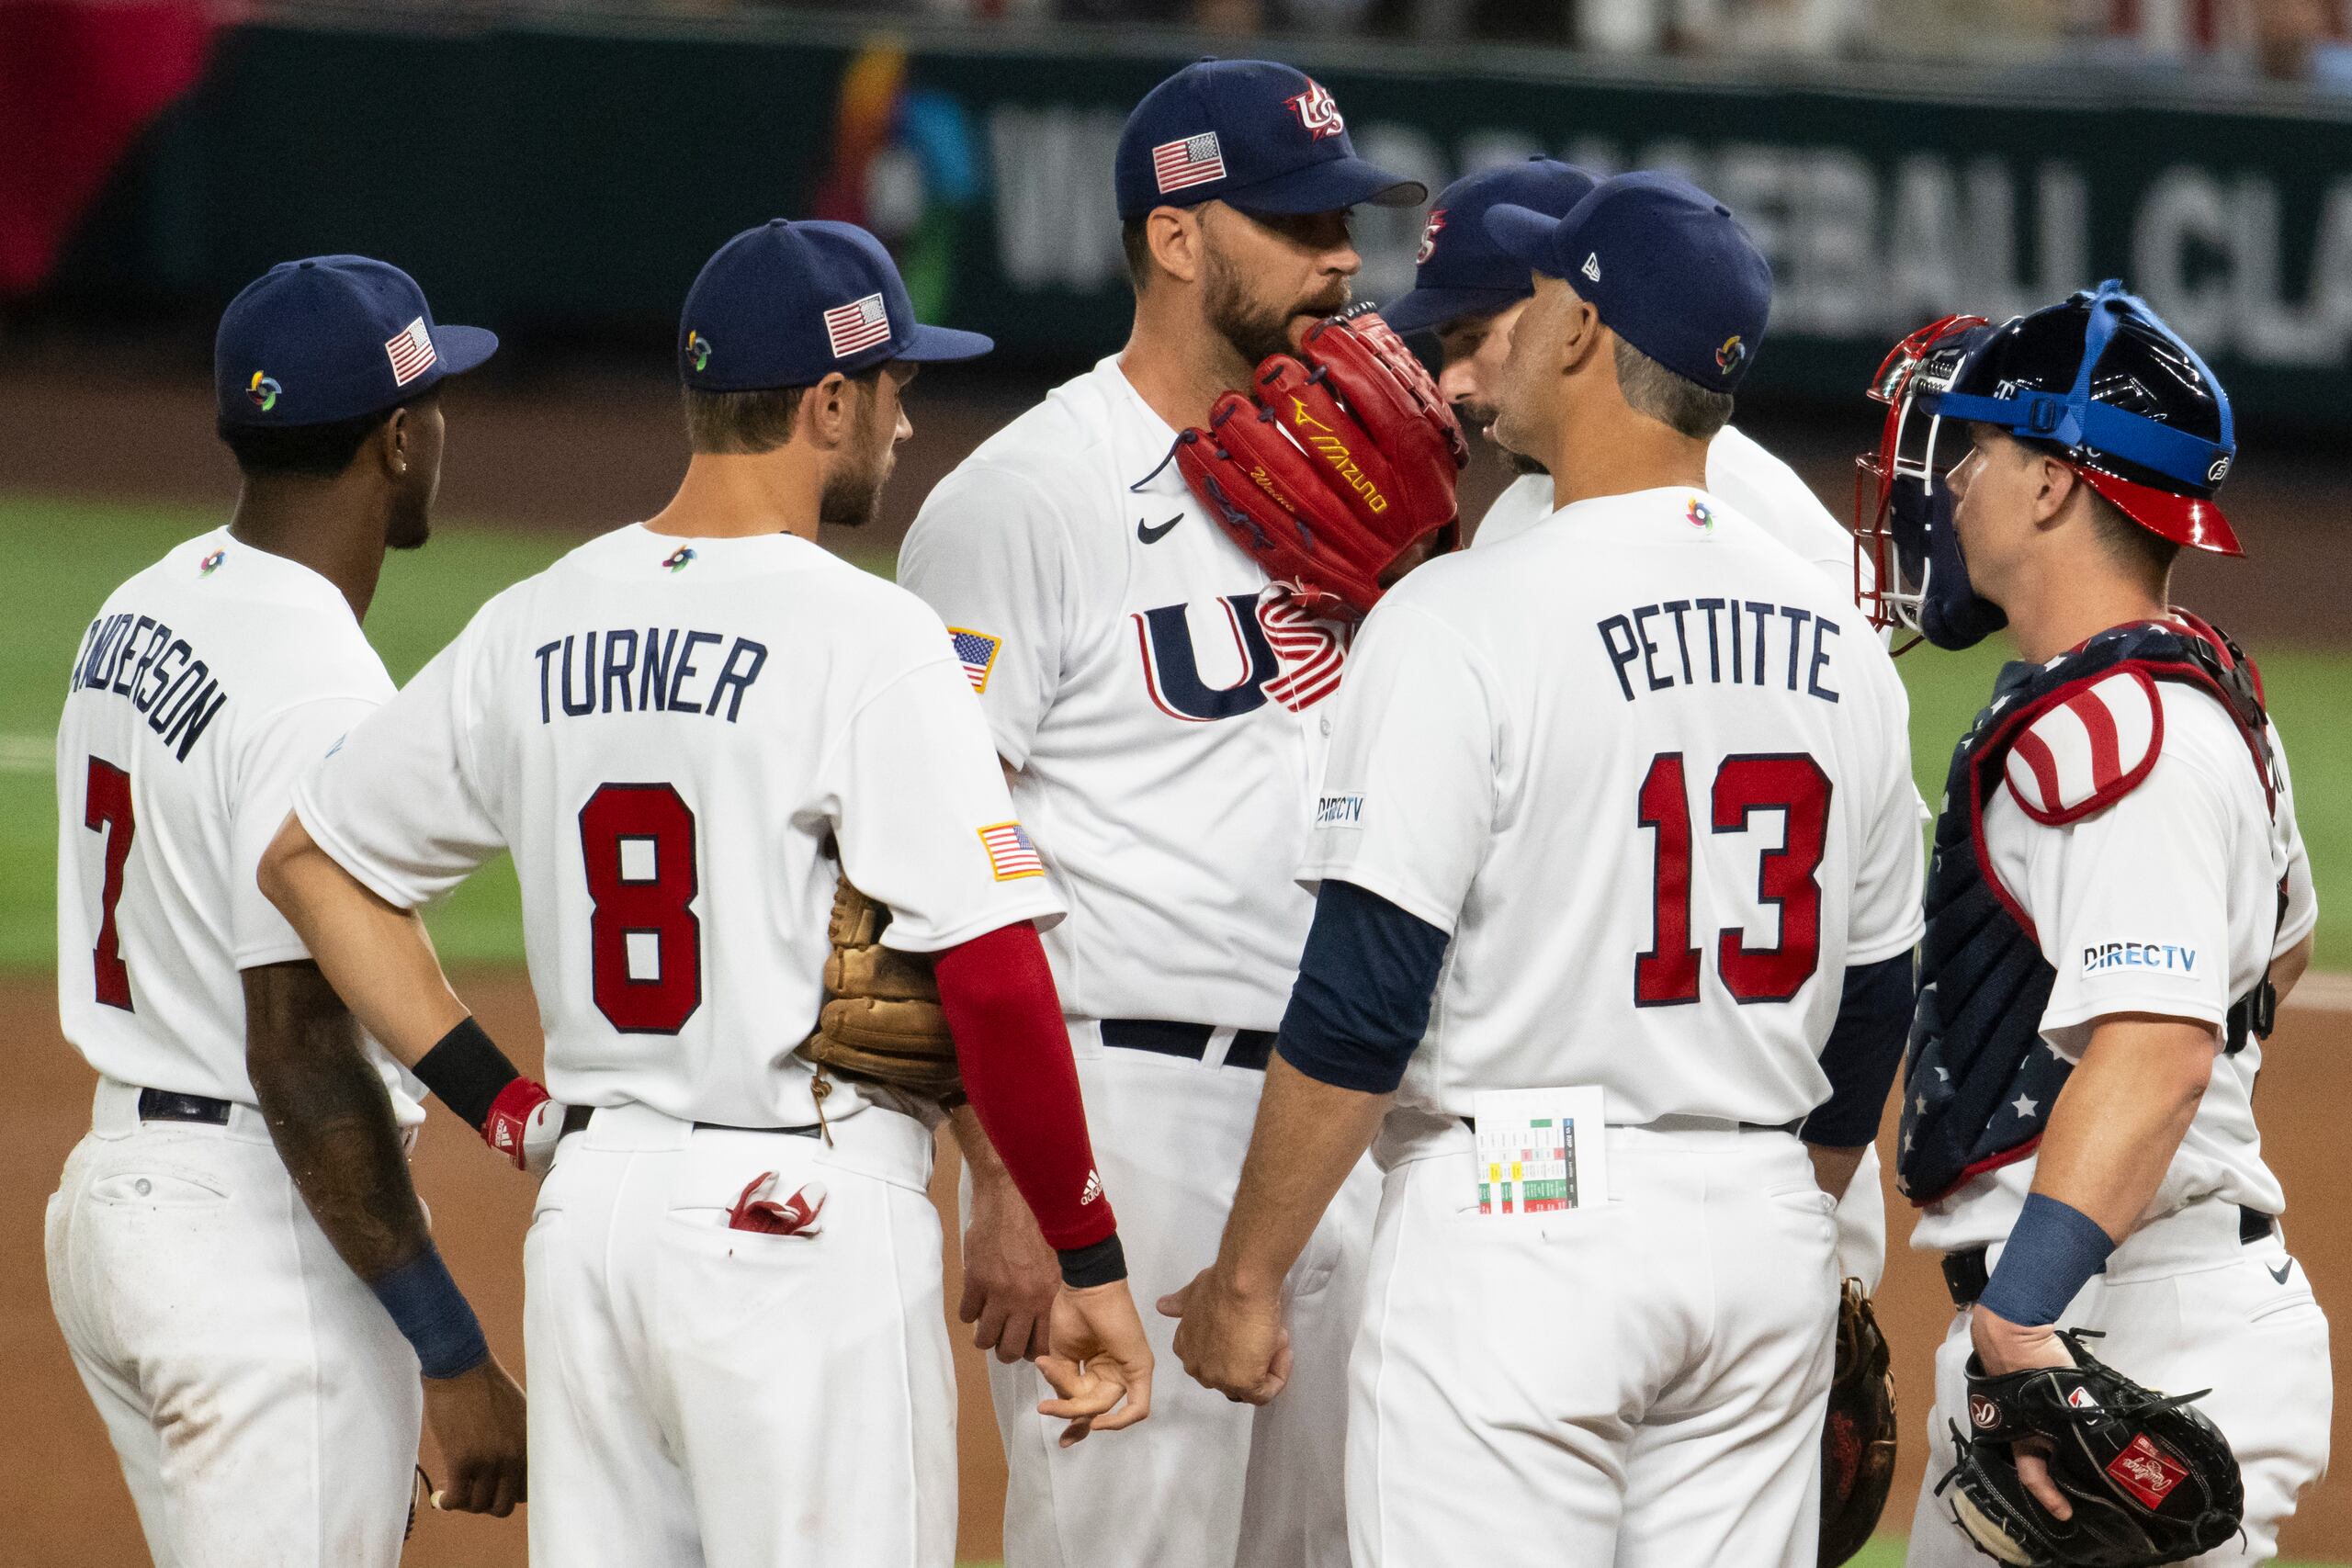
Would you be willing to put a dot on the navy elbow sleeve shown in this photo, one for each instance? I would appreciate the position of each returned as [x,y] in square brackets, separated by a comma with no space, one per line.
[1865,1047]
[1361,1002]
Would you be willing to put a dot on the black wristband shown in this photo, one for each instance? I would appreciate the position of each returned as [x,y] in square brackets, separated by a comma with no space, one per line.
[466,1069]
[1104,1263]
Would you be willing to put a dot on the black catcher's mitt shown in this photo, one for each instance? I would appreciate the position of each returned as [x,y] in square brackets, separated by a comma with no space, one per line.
[1857,1438]
[2150,1479]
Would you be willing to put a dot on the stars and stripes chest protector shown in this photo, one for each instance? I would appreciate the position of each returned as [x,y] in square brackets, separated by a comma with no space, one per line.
[2067,739]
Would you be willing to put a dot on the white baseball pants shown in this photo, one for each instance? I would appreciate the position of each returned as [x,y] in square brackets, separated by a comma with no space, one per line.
[2183,1306]
[708,1396]
[1206,1482]
[1639,1383]
[264,1408]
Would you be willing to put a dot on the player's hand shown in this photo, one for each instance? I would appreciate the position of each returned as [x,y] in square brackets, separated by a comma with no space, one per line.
[477,1421]
[2006,1346]
[1011,1276]
[1098,1356]
[1230,1339]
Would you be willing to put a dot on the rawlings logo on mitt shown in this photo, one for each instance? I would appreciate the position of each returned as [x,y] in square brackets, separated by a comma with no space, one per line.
[1339,464]
[2151,1480]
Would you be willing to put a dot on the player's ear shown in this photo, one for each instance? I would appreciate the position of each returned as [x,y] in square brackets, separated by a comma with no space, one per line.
[1178,244]
[827,411]
[2055,484]
[1580,334]
[394,442]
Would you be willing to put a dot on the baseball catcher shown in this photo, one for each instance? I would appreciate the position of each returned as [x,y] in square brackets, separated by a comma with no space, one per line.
[2149,1479]
[1337,464]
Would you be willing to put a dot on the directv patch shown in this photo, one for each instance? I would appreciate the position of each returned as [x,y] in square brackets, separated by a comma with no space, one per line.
[1340,811]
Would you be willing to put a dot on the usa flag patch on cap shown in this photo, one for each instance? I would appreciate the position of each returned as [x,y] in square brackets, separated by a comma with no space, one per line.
[857,326]
[1011,854]
[1195,161]
[977,652]
[411,352]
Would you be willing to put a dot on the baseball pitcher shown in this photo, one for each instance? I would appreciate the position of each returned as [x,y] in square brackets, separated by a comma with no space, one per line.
[1161,704]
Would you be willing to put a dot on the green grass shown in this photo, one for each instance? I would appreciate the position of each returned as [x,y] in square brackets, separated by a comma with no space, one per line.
[66,556]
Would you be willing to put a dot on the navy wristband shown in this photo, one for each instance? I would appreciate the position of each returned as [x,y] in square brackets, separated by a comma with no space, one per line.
[1103,1263]
[431,1315]
[2054,1249]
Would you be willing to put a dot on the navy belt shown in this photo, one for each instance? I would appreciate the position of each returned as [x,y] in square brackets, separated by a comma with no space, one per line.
[1965,1274]
[1251,1048]
[169,1105]
[575,1119]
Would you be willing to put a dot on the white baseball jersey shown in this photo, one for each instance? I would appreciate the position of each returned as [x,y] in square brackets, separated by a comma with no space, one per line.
[1165,714]
[1651,774]
[2166,903]
[207,685]
[1757,485]
[666,732]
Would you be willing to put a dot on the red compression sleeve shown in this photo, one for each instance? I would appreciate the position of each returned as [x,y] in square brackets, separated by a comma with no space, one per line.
[1014,1051]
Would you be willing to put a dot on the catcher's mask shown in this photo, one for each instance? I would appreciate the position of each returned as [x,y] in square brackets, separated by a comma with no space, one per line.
[2099,382]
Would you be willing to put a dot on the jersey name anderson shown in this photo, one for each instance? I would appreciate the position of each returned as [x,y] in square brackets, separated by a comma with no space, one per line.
[138,658]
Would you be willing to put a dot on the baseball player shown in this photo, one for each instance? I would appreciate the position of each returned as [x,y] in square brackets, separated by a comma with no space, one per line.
[732,1275]
[1468,291]
[1162,709]
[265,1406]
[2121,895]
[1611,809]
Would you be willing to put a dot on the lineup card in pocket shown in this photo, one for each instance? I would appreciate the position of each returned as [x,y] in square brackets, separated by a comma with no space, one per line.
[1541,1150]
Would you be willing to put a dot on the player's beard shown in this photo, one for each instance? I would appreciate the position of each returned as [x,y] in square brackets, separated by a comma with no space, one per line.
[853,493]
[1252,328]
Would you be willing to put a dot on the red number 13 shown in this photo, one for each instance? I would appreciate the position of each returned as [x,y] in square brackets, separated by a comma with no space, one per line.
[1789,783]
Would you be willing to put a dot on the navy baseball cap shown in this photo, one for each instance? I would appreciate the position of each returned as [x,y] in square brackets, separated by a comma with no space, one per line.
[1253,133]
[1666,264]
[1461,271]
[333,338]
[787,304]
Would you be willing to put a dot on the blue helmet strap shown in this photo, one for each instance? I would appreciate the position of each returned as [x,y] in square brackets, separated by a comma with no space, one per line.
[2074,421]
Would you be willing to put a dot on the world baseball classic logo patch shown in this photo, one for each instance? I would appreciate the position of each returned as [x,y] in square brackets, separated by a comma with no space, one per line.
[2146,1471]
[1011,854]
[857,326]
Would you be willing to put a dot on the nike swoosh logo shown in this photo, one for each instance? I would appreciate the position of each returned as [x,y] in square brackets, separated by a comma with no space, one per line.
[1151,536]
[2280,1273]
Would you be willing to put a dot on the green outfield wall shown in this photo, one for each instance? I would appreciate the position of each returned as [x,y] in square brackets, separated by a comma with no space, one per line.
[572,179]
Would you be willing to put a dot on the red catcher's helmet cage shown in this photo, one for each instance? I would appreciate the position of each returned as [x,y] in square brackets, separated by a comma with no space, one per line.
[2099,381]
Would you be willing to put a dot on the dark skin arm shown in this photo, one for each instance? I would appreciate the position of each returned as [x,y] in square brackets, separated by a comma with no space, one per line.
[331,1121]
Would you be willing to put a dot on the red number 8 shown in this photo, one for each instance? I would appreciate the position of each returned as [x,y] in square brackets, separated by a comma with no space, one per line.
[652,897]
